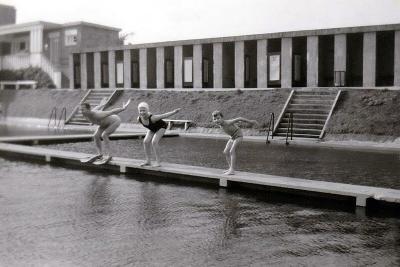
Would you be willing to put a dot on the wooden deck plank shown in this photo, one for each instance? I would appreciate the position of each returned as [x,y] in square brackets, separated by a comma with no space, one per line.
[360,192]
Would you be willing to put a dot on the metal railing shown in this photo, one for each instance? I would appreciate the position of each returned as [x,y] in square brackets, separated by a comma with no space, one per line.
[53,114]
[270,127]
[289,128]
[53,118]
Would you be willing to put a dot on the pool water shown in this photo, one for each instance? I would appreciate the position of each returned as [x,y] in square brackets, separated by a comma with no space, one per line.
[342,166]
[12,130]
[52,216]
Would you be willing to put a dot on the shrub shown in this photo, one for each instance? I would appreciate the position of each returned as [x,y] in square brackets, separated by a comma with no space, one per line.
[30,73]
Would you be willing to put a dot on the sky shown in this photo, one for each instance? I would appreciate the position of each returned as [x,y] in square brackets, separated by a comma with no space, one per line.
[168,20]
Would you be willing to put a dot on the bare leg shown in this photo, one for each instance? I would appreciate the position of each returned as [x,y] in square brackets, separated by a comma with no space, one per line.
[236,142]
[158,135]
[97,140]
[147,149]
[227,152]
[106,134]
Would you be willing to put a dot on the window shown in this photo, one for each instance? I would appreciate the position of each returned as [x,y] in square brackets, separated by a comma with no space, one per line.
[188,70]
[22,46]
[71,37]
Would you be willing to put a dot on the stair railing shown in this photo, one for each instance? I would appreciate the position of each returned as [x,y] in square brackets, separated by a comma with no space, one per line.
[289,128]
[52,114]
[63,118]
[271,125]
[283,110]
[330,114]
[78,106]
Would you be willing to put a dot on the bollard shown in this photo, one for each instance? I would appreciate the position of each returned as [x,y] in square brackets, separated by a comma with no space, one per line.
[223,182]
[122,168]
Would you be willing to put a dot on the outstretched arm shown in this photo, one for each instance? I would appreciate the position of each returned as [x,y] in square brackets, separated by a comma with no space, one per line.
[104,114]
[100,106]
[239,119]
[158,117]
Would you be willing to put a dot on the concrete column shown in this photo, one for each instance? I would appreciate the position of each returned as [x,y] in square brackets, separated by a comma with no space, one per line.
[111,69]
[143,68]
[262,68]
[217,66]
[83,71]
[97,69]
[312,61]
[197,64]
[397,58]
[160,67]
[239,64]
[340,52]
[369,59]
[127,69]
[286,67]
[36,46]
[178,61]
[71,70]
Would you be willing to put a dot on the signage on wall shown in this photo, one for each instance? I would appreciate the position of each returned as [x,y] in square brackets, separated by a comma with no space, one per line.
[274,67]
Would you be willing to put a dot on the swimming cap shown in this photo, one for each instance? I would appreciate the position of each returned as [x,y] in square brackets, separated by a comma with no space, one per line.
[144,105]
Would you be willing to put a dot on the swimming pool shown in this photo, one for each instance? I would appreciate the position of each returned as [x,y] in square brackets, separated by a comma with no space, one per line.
[12,130]
[334,165]
[52,216]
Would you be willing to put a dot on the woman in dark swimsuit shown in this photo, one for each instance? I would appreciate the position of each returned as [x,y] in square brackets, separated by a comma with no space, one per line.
[156,129]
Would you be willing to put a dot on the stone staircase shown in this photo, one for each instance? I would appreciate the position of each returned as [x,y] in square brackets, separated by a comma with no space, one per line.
[311,112]
[93,97]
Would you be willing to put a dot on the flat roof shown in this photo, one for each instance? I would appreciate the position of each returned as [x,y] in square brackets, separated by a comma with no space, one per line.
[300,33]
[27,26]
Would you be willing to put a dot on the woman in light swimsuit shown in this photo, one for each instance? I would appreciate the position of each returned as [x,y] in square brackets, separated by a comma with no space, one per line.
[156,129]
[230,128]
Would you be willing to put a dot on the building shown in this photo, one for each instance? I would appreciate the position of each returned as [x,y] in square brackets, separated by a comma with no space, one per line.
[367,56]
[47,45]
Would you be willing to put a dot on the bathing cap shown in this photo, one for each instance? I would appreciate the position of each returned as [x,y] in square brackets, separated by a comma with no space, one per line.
[144,105]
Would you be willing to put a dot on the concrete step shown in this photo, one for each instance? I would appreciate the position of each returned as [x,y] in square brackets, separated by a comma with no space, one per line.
[310,116]
[314,136]
[307,111]
[305,121]
[311,101]
[302,125]
[309,106]
[300,131]
[315,93]
[316,97]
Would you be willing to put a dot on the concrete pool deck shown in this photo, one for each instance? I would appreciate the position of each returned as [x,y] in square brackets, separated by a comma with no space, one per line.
[71,137]
[203,174]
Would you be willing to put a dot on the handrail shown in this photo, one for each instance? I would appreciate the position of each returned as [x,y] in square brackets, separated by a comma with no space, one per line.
[271,127]
[289,128]
[283,110]
[77,106]
[53,112]
[62,115]
[330,114]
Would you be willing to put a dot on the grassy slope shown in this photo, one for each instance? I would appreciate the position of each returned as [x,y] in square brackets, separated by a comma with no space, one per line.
[367,112]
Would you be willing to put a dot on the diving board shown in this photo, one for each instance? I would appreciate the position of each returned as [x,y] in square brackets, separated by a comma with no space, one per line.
[124,165]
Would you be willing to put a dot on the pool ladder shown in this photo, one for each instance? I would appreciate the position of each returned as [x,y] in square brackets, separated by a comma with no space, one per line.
[53,118]
[270,127]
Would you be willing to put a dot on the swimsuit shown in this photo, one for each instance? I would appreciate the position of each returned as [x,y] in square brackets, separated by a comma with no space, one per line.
[233,130]
[154,126]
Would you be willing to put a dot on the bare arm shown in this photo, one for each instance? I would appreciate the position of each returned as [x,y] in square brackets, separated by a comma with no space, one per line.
[239,119]
[100,106]
[103,114]
[158,117]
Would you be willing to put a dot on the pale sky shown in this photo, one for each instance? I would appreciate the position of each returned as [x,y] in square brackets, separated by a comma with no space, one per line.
[167,20]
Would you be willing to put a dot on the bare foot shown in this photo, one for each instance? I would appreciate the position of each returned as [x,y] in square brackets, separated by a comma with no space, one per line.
[225,171]
[147,163]
[158,164]
[229,172]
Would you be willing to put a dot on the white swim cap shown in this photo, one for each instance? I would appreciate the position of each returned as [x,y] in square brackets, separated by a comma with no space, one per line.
[144,105]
